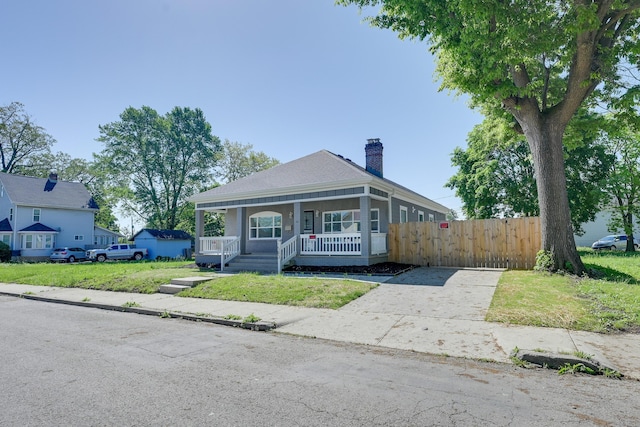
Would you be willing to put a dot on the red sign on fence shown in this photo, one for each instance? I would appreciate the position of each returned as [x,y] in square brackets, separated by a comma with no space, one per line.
[444,225]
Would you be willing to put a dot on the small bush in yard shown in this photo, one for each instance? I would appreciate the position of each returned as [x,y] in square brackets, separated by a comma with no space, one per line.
[544,261]
[5,252]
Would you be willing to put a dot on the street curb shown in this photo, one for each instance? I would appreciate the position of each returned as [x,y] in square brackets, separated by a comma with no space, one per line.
[253,326]
[558,361]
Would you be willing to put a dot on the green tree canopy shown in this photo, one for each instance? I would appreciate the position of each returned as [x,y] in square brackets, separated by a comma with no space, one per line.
[240,160]
[621,137]
[152,163]
[496,176]
[22,142]
[236,161]
[540,60]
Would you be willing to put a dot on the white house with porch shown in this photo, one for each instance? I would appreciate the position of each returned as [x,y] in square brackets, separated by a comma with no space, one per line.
[321,209]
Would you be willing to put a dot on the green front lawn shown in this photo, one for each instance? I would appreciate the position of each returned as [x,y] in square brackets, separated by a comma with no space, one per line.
[609,303]
[317,292]
[123,276]
[146,277]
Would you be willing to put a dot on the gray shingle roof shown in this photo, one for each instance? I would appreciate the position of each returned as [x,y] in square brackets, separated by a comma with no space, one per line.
[39,192]
[315,171]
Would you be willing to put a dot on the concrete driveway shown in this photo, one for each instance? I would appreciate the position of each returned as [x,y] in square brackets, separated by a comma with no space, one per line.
[446,293]
[434,310]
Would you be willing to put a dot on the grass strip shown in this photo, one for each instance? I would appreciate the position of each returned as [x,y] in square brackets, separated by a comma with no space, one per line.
[316,292]
[608,303]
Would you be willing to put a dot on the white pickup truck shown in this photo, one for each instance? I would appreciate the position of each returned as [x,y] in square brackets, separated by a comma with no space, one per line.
[117,252]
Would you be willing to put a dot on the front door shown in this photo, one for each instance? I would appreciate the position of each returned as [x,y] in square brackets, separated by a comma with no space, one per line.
[307,222]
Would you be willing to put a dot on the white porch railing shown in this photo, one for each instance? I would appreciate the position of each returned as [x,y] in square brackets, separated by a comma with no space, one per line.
[227,247]
[330,244]
[213,245]
[286,251]
[378,243]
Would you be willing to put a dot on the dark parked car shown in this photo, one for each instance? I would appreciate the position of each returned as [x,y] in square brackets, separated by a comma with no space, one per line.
[613,241]
[68,254]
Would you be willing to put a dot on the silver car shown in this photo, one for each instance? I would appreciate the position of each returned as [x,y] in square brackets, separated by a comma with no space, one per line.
[68,254]
[612,242]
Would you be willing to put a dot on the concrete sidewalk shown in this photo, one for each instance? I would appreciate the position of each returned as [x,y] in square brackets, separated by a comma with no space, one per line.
[431,310]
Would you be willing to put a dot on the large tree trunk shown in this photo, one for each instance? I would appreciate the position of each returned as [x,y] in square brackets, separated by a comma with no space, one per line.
[544,136]
[627,225]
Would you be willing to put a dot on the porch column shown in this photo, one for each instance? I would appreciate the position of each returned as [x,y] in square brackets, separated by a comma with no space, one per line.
[241,228]
[199,229]
[365,226]
[297,215]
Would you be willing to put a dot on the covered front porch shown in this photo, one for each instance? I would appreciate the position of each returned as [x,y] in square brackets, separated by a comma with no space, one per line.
[340,228]
[302,249]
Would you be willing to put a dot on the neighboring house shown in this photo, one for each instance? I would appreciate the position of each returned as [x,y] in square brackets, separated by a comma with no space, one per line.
[597,229]
[164,243]
[321,209]
[39,214]
[594,230]
[103,237]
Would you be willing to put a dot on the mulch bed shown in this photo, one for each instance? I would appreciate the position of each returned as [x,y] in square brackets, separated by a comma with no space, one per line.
[383,268]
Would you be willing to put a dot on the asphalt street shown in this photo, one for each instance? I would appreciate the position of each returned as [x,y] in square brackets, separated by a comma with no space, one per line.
[79,366]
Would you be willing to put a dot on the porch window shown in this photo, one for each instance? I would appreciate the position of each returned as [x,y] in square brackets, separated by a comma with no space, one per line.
[375,220]
[6,239]
[404,214]
[341,222]
[37,241]
[265,225]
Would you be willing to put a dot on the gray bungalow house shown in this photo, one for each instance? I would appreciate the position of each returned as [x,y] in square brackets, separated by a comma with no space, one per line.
[321,209]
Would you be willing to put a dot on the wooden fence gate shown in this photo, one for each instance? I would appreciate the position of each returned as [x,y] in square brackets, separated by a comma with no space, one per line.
[489,243]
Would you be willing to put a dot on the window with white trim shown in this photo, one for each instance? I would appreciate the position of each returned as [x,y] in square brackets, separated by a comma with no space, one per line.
[37,241]
[265,225]
[78,238]
[420,216]
[341,221]
[432,218]
[404,214]
[6,239]
[36,214]
[375,220]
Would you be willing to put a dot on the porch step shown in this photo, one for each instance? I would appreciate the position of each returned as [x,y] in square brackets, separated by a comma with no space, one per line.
[190,281]
[181,284]
[263,263]
[172,289]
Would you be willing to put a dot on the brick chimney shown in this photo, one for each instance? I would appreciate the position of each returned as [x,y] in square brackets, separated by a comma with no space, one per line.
[373,152]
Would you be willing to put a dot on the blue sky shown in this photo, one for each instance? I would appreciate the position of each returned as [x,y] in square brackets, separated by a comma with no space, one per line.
[290,77]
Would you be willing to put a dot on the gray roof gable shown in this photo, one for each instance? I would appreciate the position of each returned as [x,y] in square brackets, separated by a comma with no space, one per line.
[39,192]
[316,171]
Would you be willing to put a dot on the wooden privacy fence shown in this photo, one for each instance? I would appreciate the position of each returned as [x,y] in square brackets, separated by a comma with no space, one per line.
[488,243]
